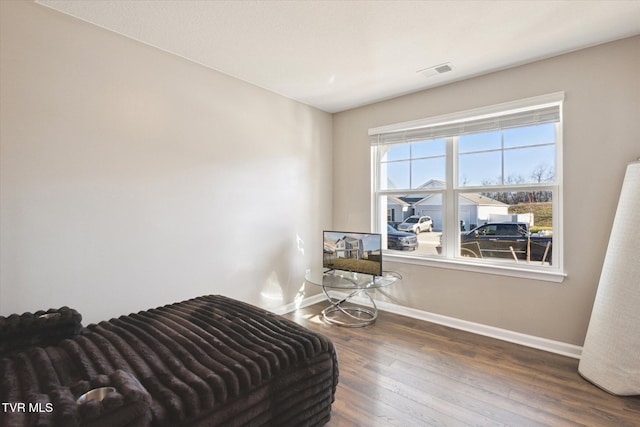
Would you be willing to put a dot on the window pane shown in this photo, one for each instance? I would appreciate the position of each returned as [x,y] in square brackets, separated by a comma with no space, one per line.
[479,141]
[429,148]
[512,227]
[529,165]
[480,169]
[394,175]
[414,223]
[395,152]
[530,135]
[492,217]
[428,173]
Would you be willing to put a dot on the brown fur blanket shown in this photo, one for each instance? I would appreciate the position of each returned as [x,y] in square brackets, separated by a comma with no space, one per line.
[209,361]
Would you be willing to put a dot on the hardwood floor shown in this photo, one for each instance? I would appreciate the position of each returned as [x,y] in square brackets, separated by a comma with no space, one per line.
[407,372]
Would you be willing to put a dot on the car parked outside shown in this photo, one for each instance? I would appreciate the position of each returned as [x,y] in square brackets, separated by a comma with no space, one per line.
[416,224]
[401,240]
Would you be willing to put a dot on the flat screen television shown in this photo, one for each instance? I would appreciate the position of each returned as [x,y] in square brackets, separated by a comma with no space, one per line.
[352,251]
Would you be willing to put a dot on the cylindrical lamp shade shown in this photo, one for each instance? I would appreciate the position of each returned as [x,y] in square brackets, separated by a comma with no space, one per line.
[611,352]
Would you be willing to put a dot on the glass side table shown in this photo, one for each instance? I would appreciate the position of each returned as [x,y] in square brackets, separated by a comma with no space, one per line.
[341,310]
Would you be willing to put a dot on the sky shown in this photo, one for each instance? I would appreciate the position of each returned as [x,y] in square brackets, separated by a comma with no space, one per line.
[481,157]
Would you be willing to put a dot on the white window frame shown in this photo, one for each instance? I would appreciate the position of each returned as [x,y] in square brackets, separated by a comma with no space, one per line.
[554,273]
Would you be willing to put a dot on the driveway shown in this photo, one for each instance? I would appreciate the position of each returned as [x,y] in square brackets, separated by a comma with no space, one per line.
[428,242]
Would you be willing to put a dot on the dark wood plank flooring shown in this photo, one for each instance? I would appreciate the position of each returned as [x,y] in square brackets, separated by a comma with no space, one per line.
[407,372]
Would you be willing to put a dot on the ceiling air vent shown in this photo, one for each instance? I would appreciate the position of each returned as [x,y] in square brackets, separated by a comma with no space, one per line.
[436,69]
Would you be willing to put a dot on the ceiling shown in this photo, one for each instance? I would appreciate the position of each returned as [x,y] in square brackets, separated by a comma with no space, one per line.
[337,55]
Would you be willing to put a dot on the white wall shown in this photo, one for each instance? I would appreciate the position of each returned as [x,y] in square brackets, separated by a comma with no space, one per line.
[119,165]
[601,135]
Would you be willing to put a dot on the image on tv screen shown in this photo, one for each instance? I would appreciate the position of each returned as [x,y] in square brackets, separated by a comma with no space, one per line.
[351,251]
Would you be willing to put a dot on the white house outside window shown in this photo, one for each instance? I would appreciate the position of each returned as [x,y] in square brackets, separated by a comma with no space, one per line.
[488,183]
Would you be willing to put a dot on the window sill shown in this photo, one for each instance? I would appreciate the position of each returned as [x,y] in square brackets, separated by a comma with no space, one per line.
[525,272]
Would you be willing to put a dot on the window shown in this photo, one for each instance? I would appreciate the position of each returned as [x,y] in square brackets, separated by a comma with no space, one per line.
[480,188]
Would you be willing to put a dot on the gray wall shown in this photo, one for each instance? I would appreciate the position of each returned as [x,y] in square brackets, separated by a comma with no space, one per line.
[601,135]
[119,165]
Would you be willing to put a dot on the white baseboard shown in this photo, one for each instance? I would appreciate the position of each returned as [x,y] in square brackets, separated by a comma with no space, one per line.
[539,343]
[552,346]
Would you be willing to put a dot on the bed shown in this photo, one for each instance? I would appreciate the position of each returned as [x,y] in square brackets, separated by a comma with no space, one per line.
[208,361]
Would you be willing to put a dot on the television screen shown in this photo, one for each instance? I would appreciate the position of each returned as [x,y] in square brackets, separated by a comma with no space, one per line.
[351,251]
